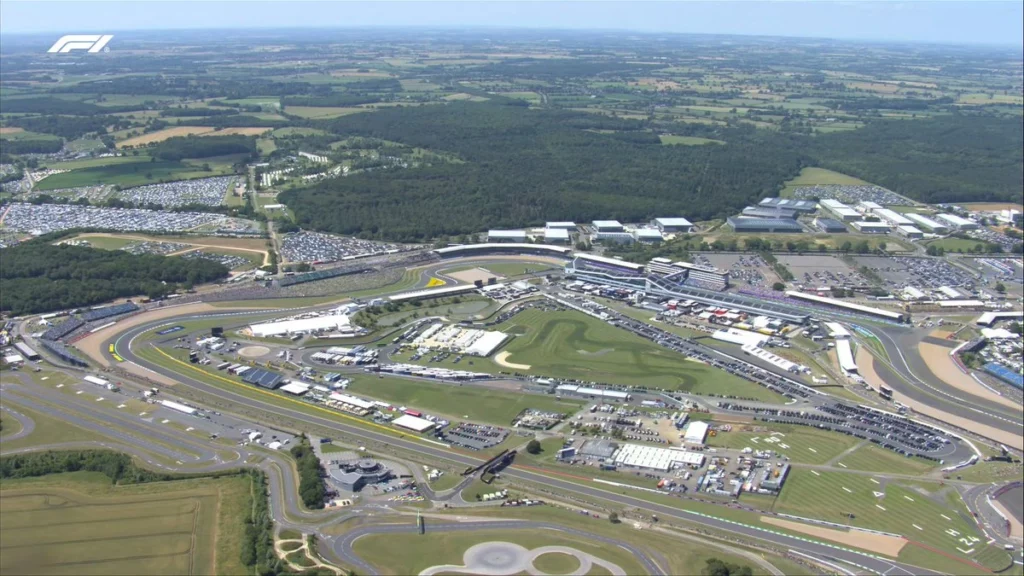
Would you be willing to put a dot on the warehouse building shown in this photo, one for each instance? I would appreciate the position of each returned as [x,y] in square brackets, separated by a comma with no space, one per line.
[840,210]
[696,432]
[647,235]
[592,393]
[908,231]
[763,225]
[806,206]
[656,457]
[867,207]
[766,212]
[556,235]
[673,225]
[892,217]
[956,222]
[515,236]
[27,352]
[413,423]
[928,224]
[613,237]
[865,227]
[608,226]
[561,225]
[829,225]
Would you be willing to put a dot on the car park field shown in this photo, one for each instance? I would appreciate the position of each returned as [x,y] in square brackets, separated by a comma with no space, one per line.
[78,523]
[801,444]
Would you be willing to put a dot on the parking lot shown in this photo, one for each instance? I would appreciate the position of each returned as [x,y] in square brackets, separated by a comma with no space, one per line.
[474,436]
[818,270]
[749,269]
[206,191]
[851,194]
[902,271]
[317,247]
[45,218]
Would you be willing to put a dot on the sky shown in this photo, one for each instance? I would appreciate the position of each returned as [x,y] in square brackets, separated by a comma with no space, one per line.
[947,22]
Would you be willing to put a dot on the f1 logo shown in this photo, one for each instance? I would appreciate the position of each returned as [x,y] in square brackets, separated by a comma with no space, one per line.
[91,42]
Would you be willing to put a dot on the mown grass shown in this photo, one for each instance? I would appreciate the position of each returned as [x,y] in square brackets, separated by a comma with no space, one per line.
[801,444]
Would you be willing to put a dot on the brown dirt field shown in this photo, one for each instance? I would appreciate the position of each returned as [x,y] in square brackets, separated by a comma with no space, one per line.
[877,543]
[470,276]
[11,129]
[991,206]
[240,244]
[938,361]
[238,132]
[500,360]
[161,135]
[866,367]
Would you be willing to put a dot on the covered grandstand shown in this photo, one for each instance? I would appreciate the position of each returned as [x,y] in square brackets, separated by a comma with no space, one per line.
[322,275]
[464,250]
[607,271]
[262,378]
[848,306]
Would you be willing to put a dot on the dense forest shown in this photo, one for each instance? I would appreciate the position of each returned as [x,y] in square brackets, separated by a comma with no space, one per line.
[203,147]
[39,277]
[945,159]
[524,166]
[311,484]
[120,468]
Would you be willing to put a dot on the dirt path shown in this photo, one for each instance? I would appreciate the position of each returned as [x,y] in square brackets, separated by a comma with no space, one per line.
[877,543]
[941,364]
[500,357]
[866,367]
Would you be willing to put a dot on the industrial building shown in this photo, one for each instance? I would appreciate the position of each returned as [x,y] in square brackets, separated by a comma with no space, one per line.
[593,393]
[607,226]
[767,212]
[928,224]
[867,207]
[703,276]
[647,235]
[739,224]
[908,231]
[613,237]
[806,206]
[990,318]
[27,352]
[561,225]
[515,236]
[413,423]
[556,235]
[696,432]
[911,293]
[839,210]
[1013,217]
[956,222]
[673,225]
[829,225]
[865,227]
[334,322]
[892,217]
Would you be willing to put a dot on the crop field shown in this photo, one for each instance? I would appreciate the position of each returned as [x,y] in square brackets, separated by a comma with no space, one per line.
[671,140]
[573,345]
[801,444]
[412,553]
[130,174]
[79,524]
[323,111]
[161,135]
[885,505]
[94,162]
[473,402]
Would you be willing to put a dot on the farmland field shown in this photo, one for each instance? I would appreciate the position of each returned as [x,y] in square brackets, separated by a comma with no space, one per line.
[323,111]
[79,523]
[573,345]
[669,139]
[479,404]
[161,135]
[130,174]
[94,162]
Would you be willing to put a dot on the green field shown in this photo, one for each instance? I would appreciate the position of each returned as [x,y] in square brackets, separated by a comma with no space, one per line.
[871,458]
[569,344]
[515,268]
[95,162]
[130,174]
[907,511]
[412,553]
[800,444]
[959,244]
[820,176]
[79,523]
[671,140]
[467,401]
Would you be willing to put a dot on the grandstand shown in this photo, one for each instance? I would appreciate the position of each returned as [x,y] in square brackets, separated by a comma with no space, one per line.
[107,312]
[1005,374]
[502,248]
[262,378]
[607,271]
[321,275]
[59,350]
[63,329]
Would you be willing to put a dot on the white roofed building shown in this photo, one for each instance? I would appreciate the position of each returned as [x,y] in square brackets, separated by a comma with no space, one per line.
[671,225]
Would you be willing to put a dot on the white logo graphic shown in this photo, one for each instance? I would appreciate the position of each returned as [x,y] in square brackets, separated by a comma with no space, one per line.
[91,42]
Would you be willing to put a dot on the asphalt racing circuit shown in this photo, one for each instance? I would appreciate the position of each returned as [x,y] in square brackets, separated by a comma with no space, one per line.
[194,454]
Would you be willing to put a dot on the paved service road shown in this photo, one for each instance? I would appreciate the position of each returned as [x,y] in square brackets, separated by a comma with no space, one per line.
[27,425]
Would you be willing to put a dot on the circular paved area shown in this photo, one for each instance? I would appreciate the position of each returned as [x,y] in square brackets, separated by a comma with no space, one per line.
[505,558]
[254,351]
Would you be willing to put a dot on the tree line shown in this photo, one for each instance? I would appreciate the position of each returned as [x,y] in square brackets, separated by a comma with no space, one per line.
[40,277]
[311,482]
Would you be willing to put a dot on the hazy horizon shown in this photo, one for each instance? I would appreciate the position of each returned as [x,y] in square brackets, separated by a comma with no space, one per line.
[994,23]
